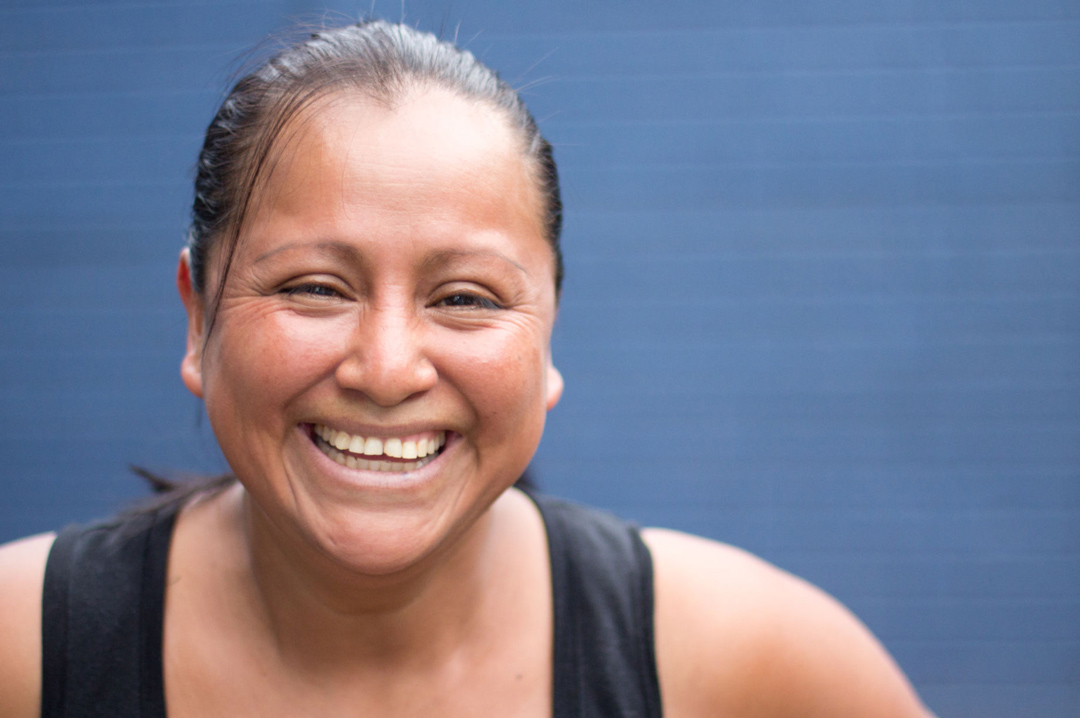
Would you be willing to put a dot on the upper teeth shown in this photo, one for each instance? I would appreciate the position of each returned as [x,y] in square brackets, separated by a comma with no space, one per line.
[413,447]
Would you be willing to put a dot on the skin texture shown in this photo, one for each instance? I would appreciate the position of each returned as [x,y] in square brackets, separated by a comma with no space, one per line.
[735,636]
[394,279]
[22,570]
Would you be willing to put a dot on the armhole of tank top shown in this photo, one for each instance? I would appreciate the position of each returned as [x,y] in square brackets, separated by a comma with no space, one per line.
[647,620]
[55,619]
[564,671]
[54,624]
[152,615]
[566,655]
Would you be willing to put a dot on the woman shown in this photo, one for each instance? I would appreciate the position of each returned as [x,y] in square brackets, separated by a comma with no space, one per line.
[371,283]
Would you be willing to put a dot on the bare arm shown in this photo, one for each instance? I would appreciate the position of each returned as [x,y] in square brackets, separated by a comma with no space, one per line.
[22,573]
[736,636]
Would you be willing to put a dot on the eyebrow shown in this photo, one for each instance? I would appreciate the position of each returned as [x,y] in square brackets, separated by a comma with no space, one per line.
[444,256]
[351,253]
[342,249]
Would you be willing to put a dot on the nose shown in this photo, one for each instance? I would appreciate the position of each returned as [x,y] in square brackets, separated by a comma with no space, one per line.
[386,358]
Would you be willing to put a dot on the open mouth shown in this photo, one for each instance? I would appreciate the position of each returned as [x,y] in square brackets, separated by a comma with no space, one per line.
[373,453]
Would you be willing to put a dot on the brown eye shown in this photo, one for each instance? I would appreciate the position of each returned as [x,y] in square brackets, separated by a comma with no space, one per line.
[311,290]
[467,300]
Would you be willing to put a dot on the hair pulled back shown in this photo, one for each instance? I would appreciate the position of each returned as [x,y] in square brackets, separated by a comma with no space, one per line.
[381,60]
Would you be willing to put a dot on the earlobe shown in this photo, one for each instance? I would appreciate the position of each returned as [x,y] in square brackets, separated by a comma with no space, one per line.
[191,364]
[554,386]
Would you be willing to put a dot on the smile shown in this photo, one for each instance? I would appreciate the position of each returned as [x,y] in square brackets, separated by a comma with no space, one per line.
[372,453]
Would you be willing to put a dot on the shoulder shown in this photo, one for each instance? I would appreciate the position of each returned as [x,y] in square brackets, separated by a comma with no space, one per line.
[22,575]
[737,636]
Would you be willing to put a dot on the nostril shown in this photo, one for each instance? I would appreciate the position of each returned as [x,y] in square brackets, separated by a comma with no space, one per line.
[387,364]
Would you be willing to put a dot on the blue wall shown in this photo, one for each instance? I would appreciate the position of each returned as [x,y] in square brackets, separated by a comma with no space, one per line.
[823,294]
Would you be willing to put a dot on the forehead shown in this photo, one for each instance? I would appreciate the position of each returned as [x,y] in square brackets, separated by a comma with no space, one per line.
[429,148]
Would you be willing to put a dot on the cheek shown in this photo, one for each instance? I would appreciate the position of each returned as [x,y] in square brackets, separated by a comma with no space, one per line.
[265,358]
[503,376]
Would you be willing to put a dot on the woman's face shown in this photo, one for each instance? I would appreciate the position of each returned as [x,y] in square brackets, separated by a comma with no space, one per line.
[380,367]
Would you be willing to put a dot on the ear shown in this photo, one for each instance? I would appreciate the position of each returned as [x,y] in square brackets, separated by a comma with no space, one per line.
[554,385]
[191,365]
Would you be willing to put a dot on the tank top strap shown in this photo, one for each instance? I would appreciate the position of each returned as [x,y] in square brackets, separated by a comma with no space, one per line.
[102,619]
[602,586]
[103,614]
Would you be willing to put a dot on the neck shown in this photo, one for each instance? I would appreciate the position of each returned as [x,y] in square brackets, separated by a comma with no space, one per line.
[323,616]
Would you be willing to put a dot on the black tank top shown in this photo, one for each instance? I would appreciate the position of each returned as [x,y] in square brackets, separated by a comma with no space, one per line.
[104,598]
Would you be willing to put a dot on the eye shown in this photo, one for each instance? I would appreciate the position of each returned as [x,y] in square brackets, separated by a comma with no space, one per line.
[467,300]
[311,289]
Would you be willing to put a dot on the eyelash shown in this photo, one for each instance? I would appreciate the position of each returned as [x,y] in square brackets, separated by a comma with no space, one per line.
[474,301]
[467,300]
[311,289]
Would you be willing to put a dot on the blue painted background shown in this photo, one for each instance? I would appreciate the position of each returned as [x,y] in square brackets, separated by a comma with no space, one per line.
[823,292]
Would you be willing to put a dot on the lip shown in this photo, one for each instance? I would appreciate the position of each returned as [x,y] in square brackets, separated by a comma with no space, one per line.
[382,432]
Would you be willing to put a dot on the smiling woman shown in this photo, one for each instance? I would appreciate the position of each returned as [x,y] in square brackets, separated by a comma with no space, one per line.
[371,285]
[396,270]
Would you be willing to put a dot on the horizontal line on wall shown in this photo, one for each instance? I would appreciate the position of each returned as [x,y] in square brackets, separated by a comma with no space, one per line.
[898,117]
[903,22]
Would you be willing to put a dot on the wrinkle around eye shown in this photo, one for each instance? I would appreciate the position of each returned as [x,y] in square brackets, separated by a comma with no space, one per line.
[314,295]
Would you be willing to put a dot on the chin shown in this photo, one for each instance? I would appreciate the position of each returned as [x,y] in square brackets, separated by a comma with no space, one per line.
[384,542]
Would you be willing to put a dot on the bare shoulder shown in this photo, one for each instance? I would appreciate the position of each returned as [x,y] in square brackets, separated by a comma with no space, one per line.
[22,573]
[736,636]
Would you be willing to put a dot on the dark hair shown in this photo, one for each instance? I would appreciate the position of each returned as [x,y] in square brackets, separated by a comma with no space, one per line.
[376,58]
